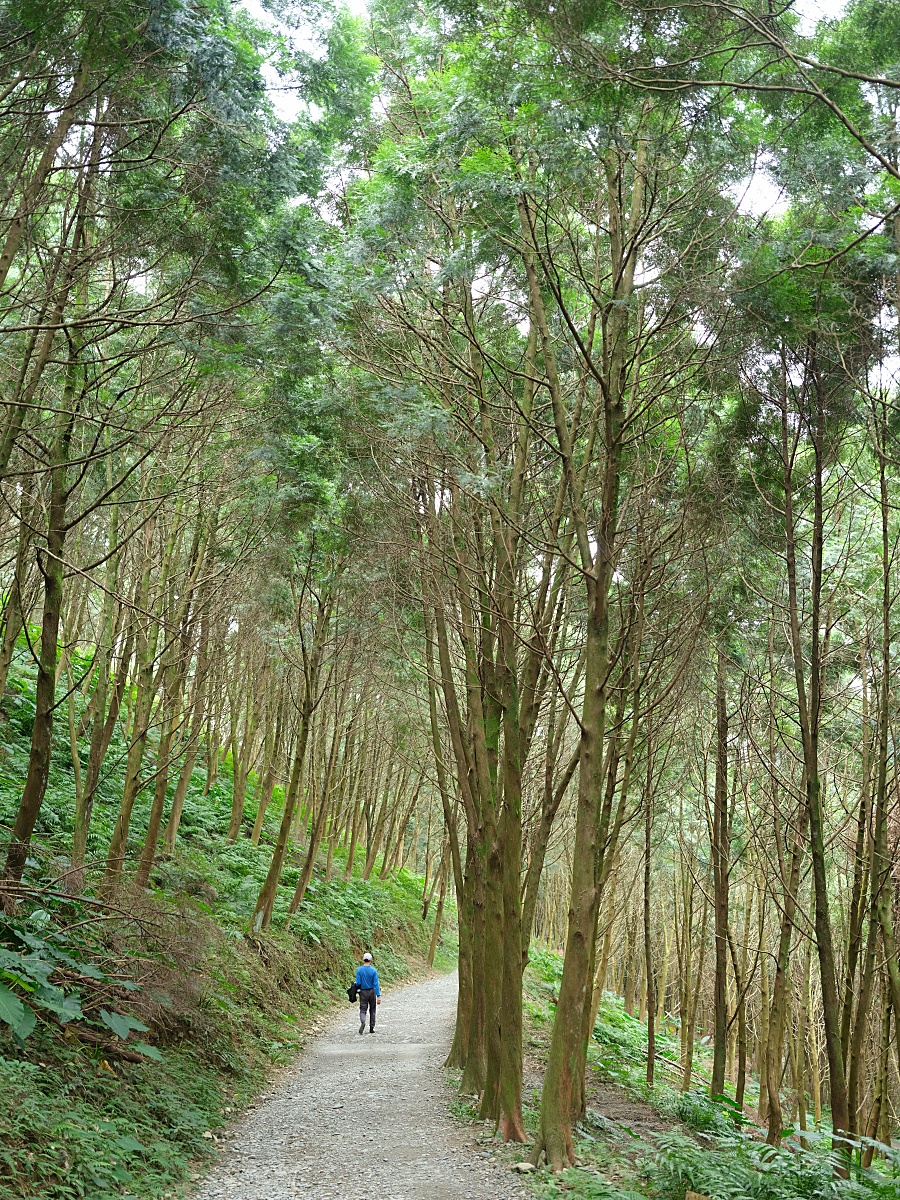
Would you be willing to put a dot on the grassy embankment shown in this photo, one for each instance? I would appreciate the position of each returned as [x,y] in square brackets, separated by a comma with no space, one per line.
[129,1035]
[661,1142]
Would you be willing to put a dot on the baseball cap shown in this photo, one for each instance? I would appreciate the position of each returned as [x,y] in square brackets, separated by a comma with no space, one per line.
[367,957]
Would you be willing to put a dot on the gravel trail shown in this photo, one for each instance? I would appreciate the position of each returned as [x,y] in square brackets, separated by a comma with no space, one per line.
[364,1116]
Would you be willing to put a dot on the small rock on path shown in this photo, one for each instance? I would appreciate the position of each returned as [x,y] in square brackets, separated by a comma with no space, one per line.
[364,1116]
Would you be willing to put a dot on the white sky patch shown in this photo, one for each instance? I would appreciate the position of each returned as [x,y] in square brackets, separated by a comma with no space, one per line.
[813,11]
[703,335]
[258,13]
[617,577]
[359,8]
[884,374]
[481,286]
[758,195]
[644,276]
[287,102]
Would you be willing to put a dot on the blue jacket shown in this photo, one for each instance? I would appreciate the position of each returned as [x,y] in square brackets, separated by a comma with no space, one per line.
[367,977]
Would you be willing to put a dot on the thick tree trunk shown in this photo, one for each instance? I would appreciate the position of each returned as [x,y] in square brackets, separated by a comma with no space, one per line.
[163,763]
[13,618]
[475,1064]
[50,561]
[721,871]
[648,940]
[512,1125]
[438,916]
[562,1096]
[808,705]
[97,751]
[270,776]
[777,1015]
[262,914]
[465,990]
[492,970]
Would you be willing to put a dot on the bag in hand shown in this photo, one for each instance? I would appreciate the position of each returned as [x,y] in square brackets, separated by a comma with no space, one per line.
[353,993]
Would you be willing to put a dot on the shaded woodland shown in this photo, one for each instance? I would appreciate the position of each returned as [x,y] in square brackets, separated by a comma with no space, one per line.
[493,465]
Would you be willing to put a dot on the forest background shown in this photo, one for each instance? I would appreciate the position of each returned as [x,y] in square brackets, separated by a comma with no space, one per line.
[474,471]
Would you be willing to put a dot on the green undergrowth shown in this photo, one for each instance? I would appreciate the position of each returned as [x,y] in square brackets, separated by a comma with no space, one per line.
[671,1141]
[129,1035]
[79,1120]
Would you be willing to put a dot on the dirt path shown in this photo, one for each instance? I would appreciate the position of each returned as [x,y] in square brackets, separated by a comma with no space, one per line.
[364,1116]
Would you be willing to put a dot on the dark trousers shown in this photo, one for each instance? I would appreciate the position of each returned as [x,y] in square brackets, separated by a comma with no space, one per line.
[367,1005]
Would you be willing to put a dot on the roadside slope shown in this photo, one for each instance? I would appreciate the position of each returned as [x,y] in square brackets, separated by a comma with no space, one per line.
[87,1112]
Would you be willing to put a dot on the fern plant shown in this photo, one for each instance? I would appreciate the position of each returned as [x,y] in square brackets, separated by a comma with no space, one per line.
[738,1169]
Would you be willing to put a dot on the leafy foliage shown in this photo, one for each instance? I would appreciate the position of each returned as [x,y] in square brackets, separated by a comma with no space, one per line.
[49,979]
[738,1168]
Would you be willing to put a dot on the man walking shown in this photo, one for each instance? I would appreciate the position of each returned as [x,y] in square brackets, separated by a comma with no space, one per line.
[369,992]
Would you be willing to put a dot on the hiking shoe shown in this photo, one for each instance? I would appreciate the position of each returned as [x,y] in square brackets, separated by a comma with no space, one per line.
[371,1031]
[362,1027]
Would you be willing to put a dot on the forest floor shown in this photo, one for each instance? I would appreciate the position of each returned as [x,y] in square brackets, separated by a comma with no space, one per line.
[620,1131]
[142,1029]
[662,1142]
[221,1012]
[366,1116]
